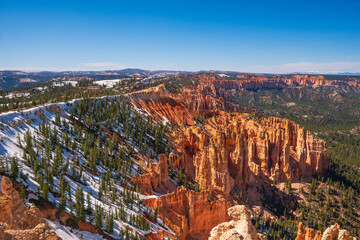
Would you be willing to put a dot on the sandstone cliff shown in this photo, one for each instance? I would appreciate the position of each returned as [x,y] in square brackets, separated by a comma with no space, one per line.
[18,222]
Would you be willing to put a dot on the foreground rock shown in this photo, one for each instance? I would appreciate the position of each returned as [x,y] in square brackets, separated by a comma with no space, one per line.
[239,227]
[18,222]
[332,233]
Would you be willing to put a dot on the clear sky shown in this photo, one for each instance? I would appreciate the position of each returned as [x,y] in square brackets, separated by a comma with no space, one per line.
[251,36]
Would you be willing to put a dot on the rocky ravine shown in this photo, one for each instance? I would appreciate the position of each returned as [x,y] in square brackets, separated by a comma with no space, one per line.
[18,222]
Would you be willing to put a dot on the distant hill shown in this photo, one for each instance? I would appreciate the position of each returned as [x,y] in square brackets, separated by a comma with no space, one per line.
[16,78]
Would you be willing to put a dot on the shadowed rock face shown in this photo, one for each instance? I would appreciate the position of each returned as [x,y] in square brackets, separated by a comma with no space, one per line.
[16,221]
[332,233]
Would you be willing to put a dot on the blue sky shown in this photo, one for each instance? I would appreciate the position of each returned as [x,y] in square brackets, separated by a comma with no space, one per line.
[250,36]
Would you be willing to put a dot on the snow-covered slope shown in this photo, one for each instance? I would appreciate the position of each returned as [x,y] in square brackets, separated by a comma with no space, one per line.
[28,136]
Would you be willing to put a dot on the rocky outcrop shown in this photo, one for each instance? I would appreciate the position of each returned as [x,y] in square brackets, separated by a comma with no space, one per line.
[305,233]
[332,233]
[156,178]
[239,226]
[18,222]
[235,150]
[189,214]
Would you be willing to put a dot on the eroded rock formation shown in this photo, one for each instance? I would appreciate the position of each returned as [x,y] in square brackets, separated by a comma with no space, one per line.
[332,233]
[239,226]
[156,178]
[18,222]
[189,214]
[227,150]
[231,151]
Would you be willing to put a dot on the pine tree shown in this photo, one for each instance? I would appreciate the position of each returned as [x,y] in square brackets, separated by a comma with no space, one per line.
[155,214]
[58,159]
[79,203]
[45,191]
[109,223]
[14,168]
[23,194]
[88,203]
[98,216]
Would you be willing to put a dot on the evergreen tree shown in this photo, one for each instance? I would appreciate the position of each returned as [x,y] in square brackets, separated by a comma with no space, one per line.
[14,168]
[45,191]
[88,203]
[23,194]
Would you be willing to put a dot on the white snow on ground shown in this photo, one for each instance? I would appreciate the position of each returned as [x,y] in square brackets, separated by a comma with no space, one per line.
[108,83]
[17,94]
[222,75]
[67,234]
[62,83]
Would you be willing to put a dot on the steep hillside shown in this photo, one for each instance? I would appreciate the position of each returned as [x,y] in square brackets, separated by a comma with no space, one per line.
[80,157]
